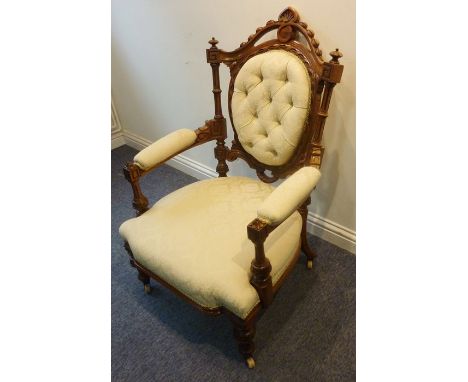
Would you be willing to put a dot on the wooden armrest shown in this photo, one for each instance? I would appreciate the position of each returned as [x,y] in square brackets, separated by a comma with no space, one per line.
[160,151]
[176,142]
[288,196]
[166,148]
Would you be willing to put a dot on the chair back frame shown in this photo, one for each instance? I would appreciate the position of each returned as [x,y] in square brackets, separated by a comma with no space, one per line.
[324,76]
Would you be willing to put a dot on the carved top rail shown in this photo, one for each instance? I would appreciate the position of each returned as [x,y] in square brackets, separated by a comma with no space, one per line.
[288,27]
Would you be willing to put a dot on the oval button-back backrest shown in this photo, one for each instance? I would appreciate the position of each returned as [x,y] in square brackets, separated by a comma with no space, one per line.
[270,105]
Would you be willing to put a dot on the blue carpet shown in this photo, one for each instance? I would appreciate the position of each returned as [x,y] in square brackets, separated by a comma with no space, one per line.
[308,334]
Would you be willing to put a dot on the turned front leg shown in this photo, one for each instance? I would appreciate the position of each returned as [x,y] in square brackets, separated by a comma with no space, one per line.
[244,333]
[144,278]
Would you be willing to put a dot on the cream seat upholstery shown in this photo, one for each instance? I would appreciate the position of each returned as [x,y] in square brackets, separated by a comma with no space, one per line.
[196,240]
[270,105]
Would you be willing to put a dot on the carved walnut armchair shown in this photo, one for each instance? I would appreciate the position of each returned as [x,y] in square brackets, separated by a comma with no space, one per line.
[227,244]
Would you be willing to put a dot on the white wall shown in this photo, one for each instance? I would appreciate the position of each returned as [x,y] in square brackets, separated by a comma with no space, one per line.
[161,82]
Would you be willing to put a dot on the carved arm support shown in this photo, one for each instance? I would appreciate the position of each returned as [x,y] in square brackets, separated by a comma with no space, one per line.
[293,194]
[257,232]
[164,149]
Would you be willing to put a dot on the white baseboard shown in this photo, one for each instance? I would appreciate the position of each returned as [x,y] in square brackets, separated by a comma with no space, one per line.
[136,142]
[117,136]
[335,233]
[118,140]
[191,167]
[328,230]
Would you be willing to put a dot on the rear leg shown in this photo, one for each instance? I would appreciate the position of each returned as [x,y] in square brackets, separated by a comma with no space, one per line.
[305,247]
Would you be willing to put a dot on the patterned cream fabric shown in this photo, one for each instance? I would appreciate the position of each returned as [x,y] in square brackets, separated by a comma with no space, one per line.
[270,105]
[196,240]
[289,195]
[164,148]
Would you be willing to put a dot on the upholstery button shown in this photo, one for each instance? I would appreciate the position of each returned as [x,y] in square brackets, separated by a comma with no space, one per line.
[273,151]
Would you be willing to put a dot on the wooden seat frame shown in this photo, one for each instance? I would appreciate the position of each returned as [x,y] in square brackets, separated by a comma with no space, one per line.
[295,37]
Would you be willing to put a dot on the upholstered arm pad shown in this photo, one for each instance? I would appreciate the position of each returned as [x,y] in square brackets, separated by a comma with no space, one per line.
[164,148]
[288,196]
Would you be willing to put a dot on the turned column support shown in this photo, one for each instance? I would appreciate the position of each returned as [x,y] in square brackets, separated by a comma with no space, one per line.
[331,75]
[257,232]
[221,155]
[220,151]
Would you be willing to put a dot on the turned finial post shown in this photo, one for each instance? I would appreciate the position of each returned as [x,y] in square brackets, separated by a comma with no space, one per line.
[336,55]
[213,42]
[212,56]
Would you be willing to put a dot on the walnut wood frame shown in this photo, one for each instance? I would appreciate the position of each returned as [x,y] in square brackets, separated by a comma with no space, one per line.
[324,76]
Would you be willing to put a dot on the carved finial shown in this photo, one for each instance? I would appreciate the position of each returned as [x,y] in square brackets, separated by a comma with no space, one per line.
[213,42]
[289,15]
[336,55]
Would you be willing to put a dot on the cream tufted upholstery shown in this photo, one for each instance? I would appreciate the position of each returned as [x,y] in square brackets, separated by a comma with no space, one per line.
[196,240]
[270,105]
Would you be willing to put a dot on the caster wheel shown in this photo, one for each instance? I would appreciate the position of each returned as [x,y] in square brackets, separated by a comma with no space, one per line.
[250,362]
[147,288]
[309,264]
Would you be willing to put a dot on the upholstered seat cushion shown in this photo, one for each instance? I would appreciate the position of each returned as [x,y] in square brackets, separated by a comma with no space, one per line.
[196,240]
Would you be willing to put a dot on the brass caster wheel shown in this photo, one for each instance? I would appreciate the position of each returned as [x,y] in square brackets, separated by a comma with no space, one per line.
[250,362]
[309,264]
[147,288]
